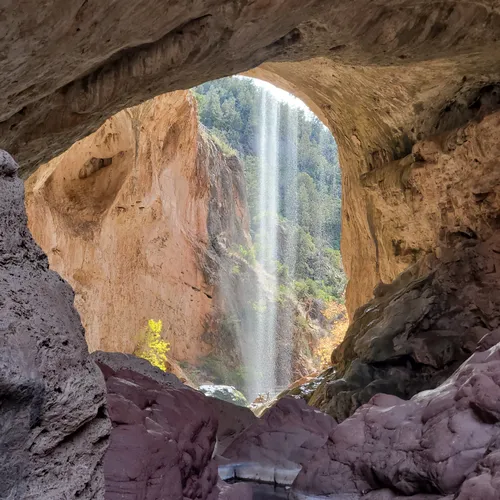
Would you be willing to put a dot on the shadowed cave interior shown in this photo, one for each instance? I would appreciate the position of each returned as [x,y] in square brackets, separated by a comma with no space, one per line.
[105,159]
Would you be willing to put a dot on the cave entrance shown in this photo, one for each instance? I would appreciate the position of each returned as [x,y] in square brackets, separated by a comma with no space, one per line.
[283,307]
[203,225]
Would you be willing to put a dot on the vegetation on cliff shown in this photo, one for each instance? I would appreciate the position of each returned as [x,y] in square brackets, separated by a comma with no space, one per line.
[229,109]
[309,303]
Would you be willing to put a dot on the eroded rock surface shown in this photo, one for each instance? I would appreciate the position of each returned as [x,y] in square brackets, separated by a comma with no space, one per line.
[277,444]
[441,444]
[382,76]
[416,331]
[135,235]
[162,440]
[53,424]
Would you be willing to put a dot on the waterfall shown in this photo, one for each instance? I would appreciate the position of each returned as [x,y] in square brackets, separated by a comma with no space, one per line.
[261,369]
[288,176]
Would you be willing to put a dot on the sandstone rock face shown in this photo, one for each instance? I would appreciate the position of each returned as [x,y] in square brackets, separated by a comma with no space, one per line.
[382,76]
[135,217]
[53,424]
[162,439]
[441,444]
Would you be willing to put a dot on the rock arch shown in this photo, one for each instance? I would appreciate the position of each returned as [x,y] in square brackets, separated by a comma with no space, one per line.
[382,76]
[402,84]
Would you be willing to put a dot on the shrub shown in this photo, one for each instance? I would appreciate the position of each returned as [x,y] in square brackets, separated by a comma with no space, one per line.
[336,312]
[152,346]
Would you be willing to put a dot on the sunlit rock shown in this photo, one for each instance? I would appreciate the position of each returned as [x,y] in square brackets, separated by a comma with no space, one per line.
[225,392]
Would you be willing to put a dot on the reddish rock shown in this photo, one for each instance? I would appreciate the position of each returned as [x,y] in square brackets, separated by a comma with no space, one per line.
[162,440]
[275,446]
[237,491]
[232,419]
[440,442]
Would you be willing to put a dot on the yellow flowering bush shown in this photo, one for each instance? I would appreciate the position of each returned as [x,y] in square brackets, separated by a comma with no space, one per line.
[152,346]
[334,311]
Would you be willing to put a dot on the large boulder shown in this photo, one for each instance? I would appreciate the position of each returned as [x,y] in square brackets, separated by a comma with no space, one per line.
[53,423]
[162,440]
[440,443]
[275,446]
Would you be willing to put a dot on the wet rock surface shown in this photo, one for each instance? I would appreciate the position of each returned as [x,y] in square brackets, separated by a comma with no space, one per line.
[440,444]
[53,422]
[225,392]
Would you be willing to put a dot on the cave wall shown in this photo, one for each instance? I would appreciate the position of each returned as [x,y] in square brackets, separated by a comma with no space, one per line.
[54,428]
[381,76]
[135,238]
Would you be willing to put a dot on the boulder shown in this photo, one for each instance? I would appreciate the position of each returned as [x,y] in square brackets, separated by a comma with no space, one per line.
[275,446]
[225,392]
[162,440]
[117,361]
[232,419]
[53,424]
[442,443]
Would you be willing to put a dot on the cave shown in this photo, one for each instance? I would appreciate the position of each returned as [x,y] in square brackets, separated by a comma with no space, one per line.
[410,93]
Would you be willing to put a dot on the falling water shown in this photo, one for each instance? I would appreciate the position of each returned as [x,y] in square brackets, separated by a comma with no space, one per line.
[261,370]
[288,178]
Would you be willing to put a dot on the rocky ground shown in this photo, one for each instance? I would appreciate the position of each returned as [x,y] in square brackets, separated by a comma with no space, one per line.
[439,445]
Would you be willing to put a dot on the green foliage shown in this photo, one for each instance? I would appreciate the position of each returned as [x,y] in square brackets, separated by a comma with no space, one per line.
[246,253]
[218,370]
[218,138]
[229,108]
[151,345]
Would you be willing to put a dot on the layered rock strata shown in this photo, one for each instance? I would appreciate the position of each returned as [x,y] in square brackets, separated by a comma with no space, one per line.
[54,427]
[382,76]
[438,207]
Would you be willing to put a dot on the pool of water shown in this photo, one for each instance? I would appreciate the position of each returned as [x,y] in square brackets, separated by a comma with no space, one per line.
[268,492]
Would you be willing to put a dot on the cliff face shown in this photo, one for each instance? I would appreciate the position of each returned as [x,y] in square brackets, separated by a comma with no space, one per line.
[130,217]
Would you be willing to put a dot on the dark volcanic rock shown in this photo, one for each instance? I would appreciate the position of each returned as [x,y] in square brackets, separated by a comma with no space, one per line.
[416,331]
[280,442]
[162,440]
[118,361]
[53,425]
[441,442]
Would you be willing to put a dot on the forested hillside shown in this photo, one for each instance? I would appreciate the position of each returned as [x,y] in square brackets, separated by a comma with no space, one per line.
[309,183]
